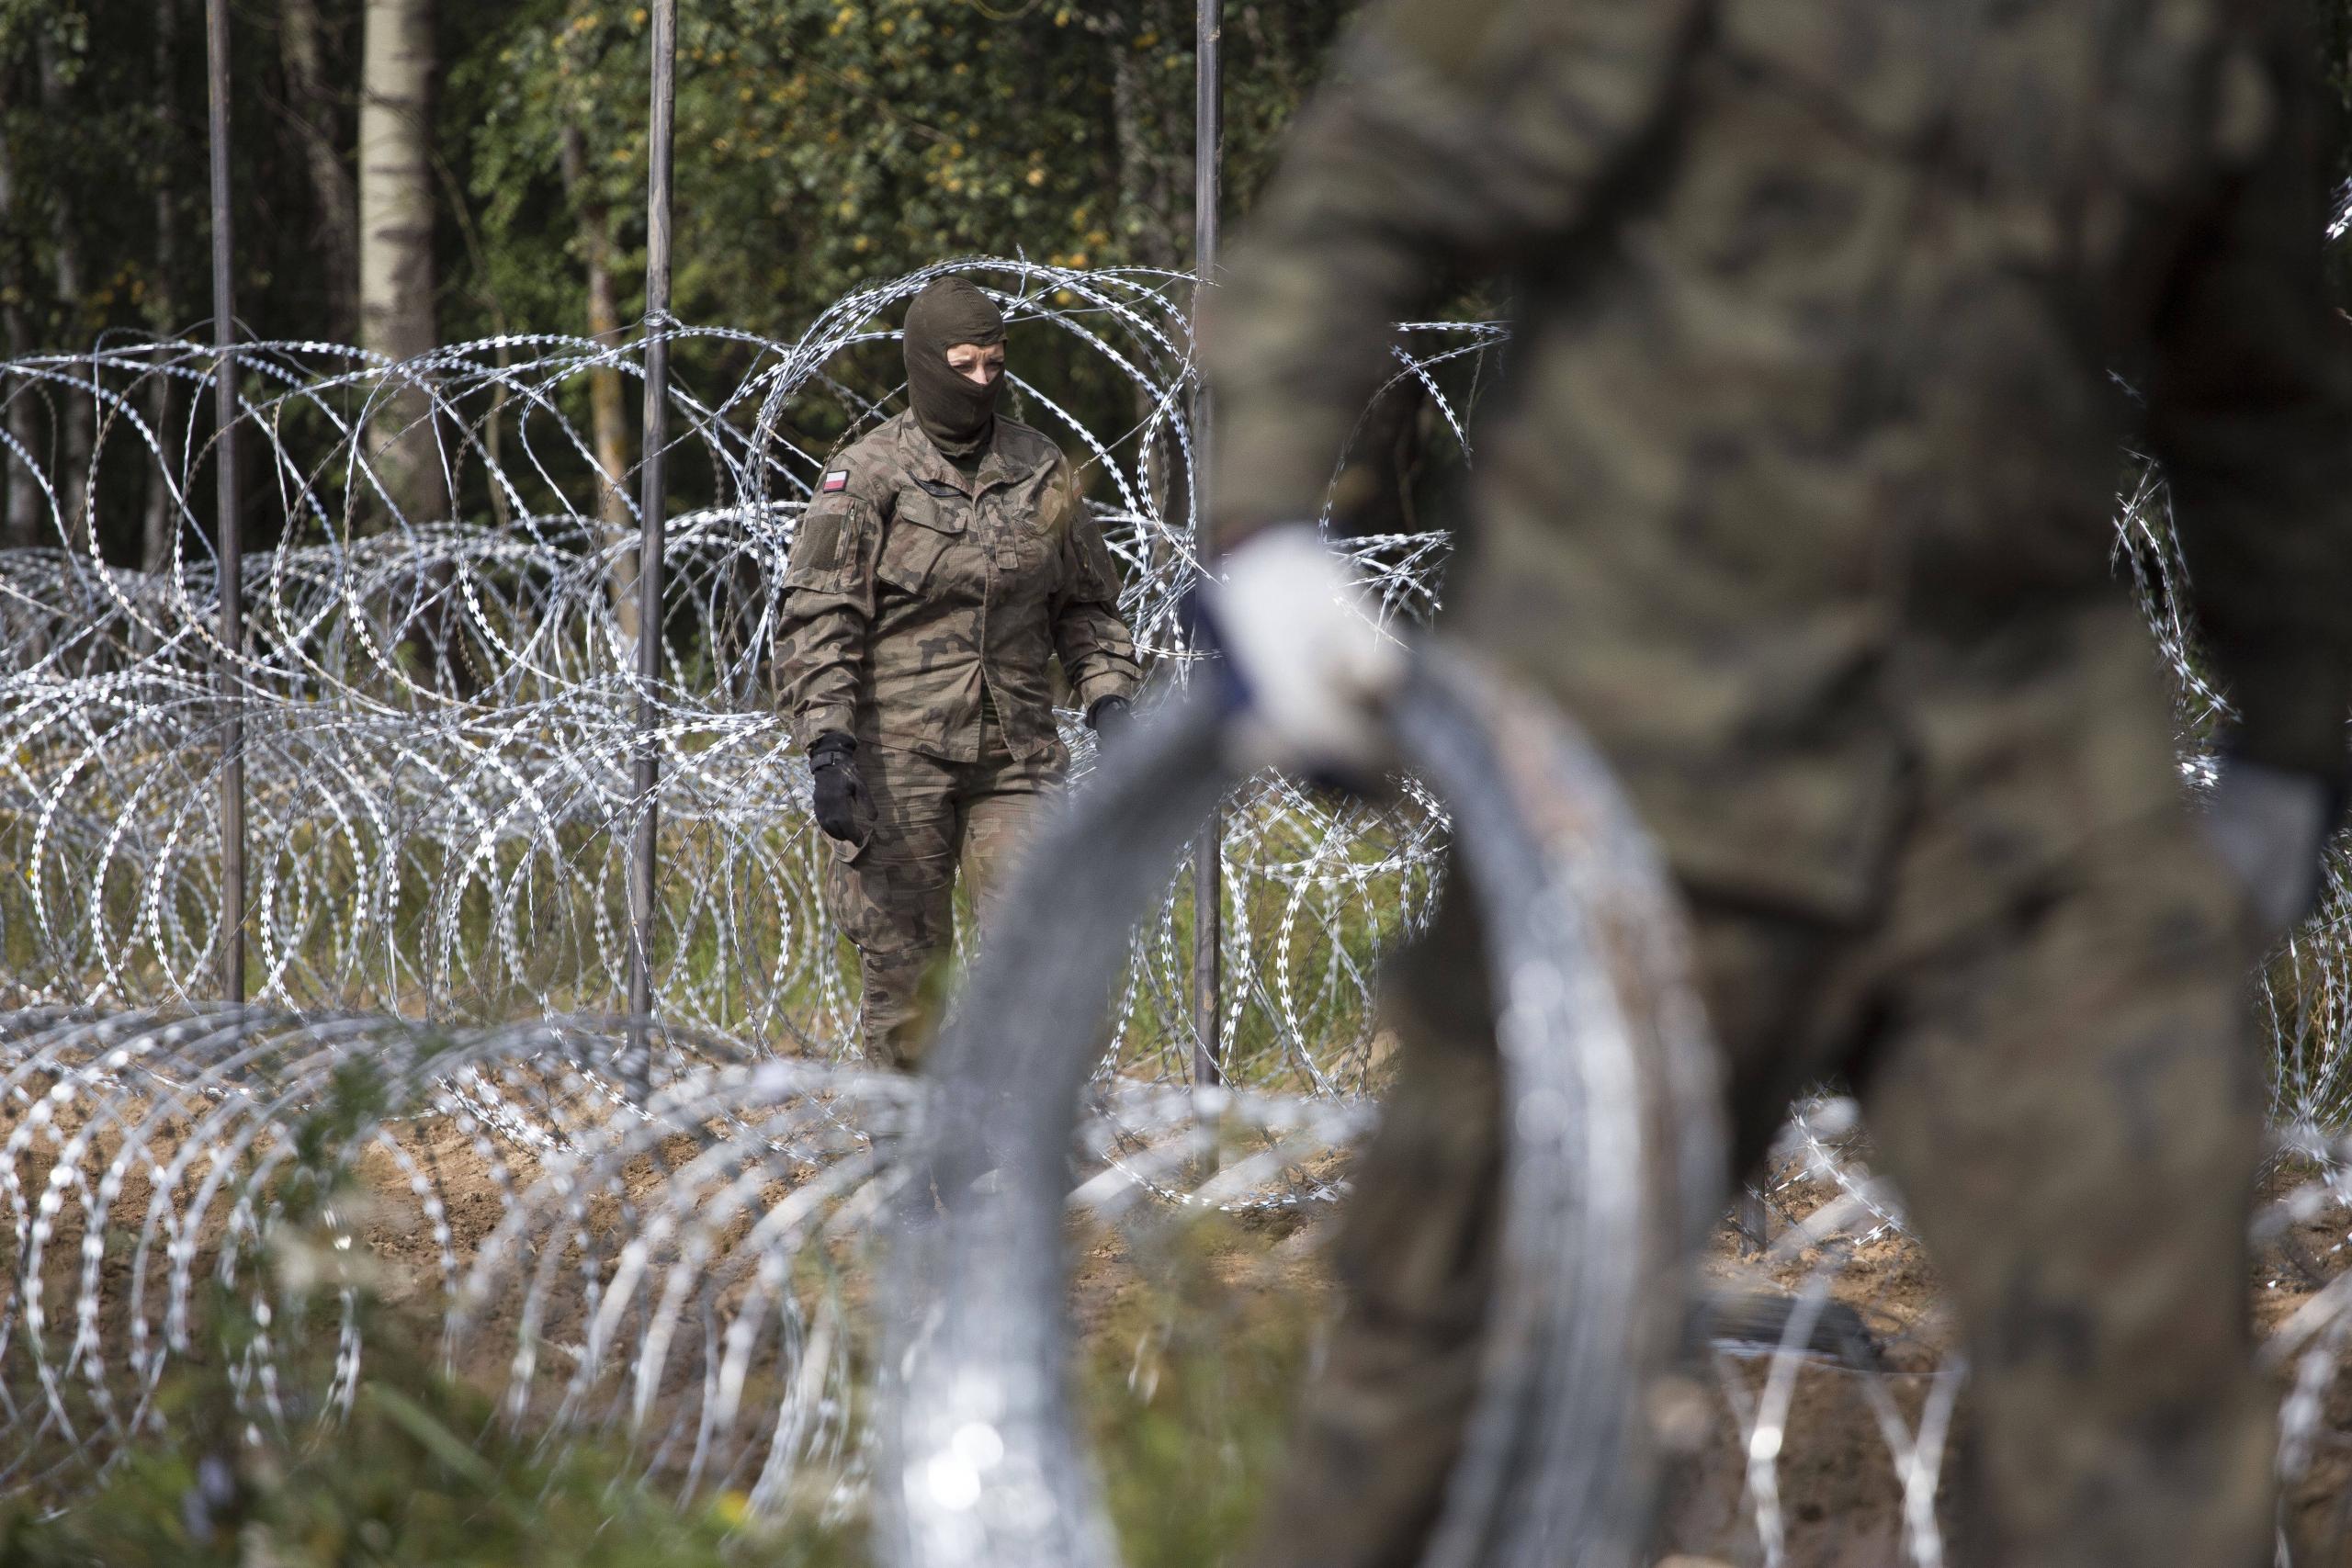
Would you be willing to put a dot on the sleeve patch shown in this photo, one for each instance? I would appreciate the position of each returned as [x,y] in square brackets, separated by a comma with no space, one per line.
[837,480]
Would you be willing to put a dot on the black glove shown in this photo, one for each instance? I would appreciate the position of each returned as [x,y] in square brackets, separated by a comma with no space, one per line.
[1108,718]
[841,797]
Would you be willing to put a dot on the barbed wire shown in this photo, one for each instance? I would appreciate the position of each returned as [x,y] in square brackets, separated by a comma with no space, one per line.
[437,691]
[437,696]
[217,1187]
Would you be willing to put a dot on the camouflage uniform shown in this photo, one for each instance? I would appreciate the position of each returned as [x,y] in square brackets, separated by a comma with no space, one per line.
[922,610]
[1800,499]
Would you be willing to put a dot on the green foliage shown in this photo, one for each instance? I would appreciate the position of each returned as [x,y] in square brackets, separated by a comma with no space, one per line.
[1196,1335]
[1195,1331]
[421,1471]
[420,1474]
[1191,1381]
[821,144]
[824,143]
[1189,1384]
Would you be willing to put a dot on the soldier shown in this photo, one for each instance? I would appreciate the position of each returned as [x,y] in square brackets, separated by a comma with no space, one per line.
[1799,499]
[947,559]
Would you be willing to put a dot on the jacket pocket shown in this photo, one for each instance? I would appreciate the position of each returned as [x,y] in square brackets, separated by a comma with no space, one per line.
[1038,507]
[830,547]
[921,529]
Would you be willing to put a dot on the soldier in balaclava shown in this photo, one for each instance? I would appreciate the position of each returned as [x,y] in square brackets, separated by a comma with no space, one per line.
[946,562]
[1799,500]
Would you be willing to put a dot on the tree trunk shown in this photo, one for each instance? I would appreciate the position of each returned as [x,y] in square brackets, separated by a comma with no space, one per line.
[396,275]
[312,110]
[74,412]
[1150,141]
[160,527]
[24,516]
[1155,246]
[607,415]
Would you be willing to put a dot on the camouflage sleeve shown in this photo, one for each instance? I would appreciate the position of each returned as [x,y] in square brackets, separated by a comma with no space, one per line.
[828,608]
[1460,132]
[1097,651]
[2250,414]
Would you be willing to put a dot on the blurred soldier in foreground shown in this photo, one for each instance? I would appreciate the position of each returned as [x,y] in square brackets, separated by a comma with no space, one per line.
[944,561]
[1799,499]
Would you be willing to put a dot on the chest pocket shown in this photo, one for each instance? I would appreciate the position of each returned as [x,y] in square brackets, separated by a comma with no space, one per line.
[921,530]
[1018,524]
[1031,507]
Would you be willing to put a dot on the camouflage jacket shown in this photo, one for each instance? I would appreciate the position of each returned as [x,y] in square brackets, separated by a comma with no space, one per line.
[1800,490]
[910,588]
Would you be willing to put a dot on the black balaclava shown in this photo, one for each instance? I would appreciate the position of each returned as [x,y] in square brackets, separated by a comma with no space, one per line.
[959,415]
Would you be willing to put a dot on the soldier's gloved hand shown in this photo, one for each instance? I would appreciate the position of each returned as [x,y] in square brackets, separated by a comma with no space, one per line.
[2269,826]
[1303,647]
[841,797]
[1108,718]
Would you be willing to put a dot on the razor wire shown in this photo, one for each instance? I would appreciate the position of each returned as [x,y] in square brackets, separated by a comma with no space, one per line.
[1611,1115]
[243,1193]
[438,705]
[676,1270]
[437,689]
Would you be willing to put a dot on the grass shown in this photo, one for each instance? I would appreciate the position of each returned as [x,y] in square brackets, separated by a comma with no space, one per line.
[1196,1331]
[1185,1386]
[1188,1380]
[539,925]
[419,1473]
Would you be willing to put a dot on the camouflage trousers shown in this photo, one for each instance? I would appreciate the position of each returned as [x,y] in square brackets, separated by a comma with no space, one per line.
[2065,1098]
[894,897]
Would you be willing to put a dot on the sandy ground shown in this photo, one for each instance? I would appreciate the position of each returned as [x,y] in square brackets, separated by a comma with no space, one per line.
[1839,1494]
[1839,1491]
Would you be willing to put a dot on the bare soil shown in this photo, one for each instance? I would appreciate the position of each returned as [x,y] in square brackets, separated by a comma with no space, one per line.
[1839,1493]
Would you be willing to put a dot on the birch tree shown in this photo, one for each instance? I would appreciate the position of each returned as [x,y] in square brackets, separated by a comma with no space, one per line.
[608,419]
[396,271]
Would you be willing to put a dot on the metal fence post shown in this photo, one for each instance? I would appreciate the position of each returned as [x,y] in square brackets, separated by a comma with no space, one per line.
[647,777]
[1208,850]
[230,524]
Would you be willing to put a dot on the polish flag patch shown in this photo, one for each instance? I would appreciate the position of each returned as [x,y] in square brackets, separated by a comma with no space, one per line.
[837,480]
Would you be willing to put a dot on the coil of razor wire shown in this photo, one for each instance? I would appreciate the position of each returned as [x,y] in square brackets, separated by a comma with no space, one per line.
[254,1191]
[1612,1152]
[438,693]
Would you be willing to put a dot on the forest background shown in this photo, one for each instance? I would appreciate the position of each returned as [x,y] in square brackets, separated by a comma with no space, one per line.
[414,173]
